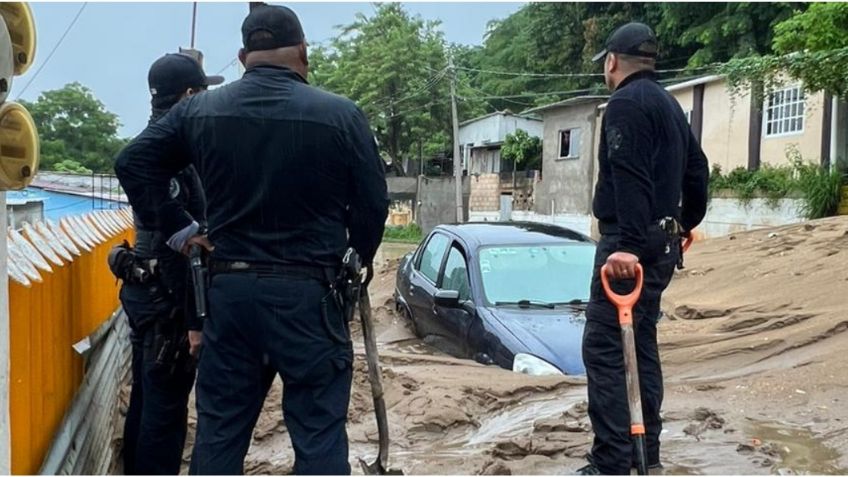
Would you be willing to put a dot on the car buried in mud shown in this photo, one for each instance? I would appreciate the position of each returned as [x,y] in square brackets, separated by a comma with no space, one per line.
[506,293]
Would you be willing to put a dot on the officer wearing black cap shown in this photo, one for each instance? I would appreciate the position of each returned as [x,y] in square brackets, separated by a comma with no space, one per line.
[156,303]
[651,191]
[292,177]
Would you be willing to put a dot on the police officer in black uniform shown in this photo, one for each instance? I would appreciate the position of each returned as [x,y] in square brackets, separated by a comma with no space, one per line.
[651,191]
[292,177]
[155,301]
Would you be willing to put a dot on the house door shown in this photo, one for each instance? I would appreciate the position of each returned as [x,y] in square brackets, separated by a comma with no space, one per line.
[506,207]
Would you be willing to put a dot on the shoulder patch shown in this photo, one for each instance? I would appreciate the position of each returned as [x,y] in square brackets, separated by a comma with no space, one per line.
[614,139]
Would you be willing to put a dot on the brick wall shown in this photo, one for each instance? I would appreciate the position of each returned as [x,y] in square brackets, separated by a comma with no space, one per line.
[485,193]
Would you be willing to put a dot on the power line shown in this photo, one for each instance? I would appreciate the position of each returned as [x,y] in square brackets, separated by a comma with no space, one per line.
[227,67]
[573,75]
[558,93]
[428,85]
[55,47]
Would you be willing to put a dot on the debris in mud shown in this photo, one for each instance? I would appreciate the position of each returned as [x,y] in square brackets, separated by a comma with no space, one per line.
[704,419]
[495,468]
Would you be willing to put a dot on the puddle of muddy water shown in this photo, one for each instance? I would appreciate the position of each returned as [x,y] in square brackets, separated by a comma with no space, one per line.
[781,449]
[801,452]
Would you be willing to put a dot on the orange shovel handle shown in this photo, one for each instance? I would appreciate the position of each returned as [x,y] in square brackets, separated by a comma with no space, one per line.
[624,303]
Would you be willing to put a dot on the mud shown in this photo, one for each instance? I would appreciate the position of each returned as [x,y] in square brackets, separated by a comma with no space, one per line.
[753,356]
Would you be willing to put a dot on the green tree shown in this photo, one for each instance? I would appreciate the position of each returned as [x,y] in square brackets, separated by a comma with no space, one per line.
[721,31]
[522,148]
[811,46]
[394,66]
[75,129]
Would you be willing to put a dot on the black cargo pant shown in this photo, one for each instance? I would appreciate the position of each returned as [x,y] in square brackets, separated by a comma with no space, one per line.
[155,427]
[612,451]
[260,325]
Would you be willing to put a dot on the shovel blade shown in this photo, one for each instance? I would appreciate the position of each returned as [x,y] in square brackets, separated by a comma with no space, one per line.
[377,468]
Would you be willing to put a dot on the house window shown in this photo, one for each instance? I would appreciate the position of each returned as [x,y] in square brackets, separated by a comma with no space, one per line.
[569,143]
[784,112]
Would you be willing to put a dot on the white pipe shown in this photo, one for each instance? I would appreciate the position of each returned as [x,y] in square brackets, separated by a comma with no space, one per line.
[834,132]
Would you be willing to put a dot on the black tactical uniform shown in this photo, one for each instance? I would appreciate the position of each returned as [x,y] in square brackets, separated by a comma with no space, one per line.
[292,177]
[652,187]
[160,310]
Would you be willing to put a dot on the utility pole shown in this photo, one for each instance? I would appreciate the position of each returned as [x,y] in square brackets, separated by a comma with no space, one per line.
[193,22]
[457,161]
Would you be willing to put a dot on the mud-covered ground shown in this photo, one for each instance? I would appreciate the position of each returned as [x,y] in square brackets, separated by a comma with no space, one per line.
[754,357]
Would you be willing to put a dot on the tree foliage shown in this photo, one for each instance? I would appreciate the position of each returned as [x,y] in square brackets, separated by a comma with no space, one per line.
[394,66]
[76,131]
[522,148]
[811,46]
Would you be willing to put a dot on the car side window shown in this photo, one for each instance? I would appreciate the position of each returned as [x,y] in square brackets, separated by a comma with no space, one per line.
[431,258]
[456,274]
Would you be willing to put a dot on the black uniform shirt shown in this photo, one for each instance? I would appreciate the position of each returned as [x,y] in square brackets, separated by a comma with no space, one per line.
[650,164]
[291,173]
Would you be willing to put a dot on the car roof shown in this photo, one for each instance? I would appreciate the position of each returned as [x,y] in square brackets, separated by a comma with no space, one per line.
[482,234]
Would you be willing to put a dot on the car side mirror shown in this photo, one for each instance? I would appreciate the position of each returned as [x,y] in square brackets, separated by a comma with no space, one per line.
[447,298]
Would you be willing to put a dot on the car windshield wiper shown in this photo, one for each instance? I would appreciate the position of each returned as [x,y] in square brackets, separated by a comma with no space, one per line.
[527,304]
[576,301]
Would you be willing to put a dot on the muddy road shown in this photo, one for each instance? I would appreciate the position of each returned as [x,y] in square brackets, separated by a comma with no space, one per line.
[753,350]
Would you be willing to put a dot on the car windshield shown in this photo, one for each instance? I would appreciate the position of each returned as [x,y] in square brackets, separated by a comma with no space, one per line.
[553,274]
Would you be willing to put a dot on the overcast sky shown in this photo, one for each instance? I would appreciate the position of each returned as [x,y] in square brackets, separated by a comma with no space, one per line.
[112,45]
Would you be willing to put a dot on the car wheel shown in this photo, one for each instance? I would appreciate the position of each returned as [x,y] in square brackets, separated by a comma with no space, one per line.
[408,316]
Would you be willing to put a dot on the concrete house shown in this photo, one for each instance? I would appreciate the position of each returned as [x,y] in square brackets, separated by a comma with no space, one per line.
[739,132]
[481,139]
[564,193]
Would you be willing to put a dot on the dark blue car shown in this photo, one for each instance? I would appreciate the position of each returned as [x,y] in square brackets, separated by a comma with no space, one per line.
[510,293]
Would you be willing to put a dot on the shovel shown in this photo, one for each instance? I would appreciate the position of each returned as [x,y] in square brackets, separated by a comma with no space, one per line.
[379,466]
[624,304]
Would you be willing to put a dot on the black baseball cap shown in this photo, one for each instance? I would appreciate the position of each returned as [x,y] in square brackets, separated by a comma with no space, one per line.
[279,22]
[635,39]
[176,72]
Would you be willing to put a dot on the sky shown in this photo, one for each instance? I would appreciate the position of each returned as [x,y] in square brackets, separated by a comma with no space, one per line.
[111,46]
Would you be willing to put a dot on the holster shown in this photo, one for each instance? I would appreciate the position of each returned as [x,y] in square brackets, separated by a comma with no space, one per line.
[674,233]
[170,342]
[344,292]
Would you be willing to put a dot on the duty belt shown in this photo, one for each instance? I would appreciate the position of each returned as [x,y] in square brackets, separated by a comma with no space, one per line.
[669,225]
[316,272]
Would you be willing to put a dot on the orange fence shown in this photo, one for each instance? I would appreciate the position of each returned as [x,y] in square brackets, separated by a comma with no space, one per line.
[60,291]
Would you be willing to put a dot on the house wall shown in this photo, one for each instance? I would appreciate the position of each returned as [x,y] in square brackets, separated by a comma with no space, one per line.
[437,199]
[724,134]
[566,185]
[509,124]
[726,124]
[808,142]
[484,193]
[481,131]
[726,216]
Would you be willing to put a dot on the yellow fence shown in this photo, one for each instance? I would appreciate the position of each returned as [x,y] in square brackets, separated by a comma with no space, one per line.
[60,291]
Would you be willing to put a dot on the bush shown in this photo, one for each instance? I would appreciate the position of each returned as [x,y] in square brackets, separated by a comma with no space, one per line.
[406,233]
[818,187]
[821,192]
[771,182]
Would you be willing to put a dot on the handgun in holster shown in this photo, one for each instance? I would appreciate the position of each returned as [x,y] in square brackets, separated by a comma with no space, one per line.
[351,282]
[674,232]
